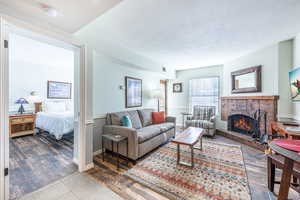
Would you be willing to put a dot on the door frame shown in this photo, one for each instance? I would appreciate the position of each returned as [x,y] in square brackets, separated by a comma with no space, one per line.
[4,95]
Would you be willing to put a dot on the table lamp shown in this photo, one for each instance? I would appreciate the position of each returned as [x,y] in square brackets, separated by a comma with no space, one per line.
[35,99]
[21,101]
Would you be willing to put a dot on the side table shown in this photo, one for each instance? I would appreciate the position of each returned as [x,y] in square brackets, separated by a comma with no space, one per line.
[183,118]
[114,139]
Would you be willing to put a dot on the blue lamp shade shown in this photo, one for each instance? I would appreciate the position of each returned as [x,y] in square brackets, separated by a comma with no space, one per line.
[22,101]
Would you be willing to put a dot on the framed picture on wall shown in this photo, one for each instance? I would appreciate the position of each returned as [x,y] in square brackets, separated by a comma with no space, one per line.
[133,92]
[295,84]
[59,90]
[177,87]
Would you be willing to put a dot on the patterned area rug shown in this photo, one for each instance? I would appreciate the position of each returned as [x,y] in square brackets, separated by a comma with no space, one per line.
[219,173]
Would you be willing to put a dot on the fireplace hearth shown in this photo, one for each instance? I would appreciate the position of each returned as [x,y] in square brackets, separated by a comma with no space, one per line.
[244,124]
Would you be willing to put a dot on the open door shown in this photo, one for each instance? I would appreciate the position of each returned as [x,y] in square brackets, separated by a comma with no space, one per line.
[4,186]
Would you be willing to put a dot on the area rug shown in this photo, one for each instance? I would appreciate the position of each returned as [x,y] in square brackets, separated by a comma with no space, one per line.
[219,173]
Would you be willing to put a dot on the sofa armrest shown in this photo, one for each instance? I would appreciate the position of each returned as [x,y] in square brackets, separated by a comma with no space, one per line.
[130,133]
[171,119]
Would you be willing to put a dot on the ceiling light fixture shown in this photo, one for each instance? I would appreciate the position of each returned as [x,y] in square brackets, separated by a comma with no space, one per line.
[50,11]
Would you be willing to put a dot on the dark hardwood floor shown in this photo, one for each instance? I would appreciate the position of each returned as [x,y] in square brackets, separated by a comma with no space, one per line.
[36,161]
[255,161]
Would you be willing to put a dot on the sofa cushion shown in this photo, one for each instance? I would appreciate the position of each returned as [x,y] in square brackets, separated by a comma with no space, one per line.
[126,121]
[135,119]
[116,117]
[146,116]
[151,131]
[158,117]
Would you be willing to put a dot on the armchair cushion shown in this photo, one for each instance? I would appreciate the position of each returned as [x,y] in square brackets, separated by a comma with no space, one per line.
[200,123]
[203,112]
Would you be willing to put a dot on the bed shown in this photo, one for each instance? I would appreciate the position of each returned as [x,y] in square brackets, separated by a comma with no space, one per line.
[55,120]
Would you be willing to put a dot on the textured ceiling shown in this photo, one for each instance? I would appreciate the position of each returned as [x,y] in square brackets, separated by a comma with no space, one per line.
[195,33]
[72,14]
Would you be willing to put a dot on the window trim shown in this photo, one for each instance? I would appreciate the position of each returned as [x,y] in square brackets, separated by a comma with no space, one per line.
[219,92]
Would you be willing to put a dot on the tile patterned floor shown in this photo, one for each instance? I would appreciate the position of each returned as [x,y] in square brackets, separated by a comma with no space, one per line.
[77,186]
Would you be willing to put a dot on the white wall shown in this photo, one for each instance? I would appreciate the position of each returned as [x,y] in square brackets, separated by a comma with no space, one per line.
[108,75]
[268,58]
[296,105]
[285,62]
[178,102]
[276,61]
[32,64]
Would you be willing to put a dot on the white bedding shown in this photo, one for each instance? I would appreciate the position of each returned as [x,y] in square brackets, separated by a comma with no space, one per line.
[57,124]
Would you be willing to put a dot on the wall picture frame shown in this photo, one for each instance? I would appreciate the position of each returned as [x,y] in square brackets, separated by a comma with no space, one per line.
[133,92]
[177,87]
[294,79]
[246,80]
[59,90]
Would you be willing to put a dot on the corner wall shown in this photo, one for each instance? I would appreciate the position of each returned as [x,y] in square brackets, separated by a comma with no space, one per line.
[268,58]
[296,105]
[108,75]
[178,102]
[276,61]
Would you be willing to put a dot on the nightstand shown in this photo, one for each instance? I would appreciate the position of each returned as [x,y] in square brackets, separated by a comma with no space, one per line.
[20,125]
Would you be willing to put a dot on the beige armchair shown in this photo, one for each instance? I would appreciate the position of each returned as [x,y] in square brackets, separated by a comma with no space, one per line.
[203,117]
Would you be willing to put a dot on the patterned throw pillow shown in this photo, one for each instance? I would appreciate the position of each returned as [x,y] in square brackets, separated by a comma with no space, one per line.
[158,117]
[126,121]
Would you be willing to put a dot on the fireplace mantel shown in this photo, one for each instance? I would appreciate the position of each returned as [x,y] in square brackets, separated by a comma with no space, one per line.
[248,105]
[275,97]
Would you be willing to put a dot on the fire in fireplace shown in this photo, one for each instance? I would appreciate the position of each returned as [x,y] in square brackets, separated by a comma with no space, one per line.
[244,124]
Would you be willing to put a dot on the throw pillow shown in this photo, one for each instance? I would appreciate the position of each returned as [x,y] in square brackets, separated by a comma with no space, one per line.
[126,121]
[158,117]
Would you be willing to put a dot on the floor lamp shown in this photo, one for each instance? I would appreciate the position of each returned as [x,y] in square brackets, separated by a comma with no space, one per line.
[157,94]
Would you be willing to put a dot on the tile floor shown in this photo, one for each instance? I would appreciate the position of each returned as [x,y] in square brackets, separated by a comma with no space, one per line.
[77,186]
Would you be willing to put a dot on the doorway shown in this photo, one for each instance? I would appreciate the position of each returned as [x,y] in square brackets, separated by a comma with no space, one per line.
[65,149]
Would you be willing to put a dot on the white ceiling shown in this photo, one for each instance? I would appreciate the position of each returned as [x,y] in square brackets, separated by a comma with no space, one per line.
[72,14]
[195,33]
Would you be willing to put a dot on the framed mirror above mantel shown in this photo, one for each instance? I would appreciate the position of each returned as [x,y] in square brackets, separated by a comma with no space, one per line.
[246,80]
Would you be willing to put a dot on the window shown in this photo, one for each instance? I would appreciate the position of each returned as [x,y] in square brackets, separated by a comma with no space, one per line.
[204,92]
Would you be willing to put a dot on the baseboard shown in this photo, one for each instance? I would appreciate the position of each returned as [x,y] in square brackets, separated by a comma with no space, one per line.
[75,160]
[89,166]
[97,152]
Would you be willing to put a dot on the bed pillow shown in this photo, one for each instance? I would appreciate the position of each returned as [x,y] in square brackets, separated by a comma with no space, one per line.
[55,107]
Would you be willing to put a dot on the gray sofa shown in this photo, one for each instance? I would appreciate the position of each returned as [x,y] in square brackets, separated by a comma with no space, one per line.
[144,136]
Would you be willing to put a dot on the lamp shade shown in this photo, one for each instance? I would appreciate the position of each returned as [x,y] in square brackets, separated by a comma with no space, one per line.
[156,94]
[22,101]
[34,97]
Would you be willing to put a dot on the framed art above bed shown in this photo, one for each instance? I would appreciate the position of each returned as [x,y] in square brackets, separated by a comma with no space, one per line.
[59,90]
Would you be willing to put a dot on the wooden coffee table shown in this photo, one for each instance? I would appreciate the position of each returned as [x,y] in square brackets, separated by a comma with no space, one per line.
[189,137]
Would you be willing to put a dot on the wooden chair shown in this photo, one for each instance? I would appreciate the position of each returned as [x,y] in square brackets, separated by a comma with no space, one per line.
[277,161]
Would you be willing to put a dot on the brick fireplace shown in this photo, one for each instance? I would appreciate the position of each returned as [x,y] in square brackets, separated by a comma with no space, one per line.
[244,126]
[247,105]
